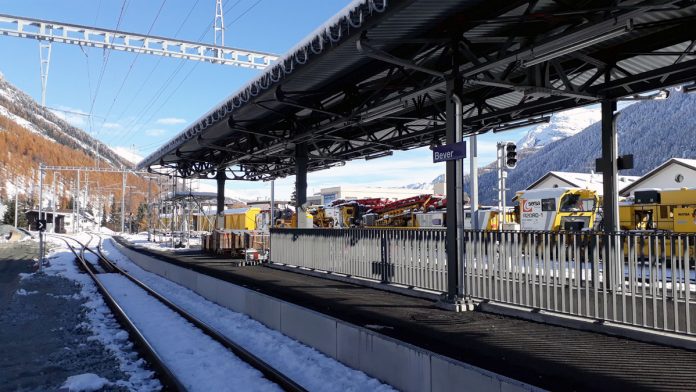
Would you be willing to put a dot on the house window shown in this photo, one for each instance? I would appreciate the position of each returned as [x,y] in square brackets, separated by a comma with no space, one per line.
[679,178]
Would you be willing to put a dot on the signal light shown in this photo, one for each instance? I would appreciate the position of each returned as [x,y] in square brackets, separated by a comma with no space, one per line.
[510,155]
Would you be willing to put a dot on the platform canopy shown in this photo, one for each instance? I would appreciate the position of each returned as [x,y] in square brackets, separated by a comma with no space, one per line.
[372,79]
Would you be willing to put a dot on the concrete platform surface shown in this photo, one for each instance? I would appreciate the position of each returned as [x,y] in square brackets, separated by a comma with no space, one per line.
[546,356]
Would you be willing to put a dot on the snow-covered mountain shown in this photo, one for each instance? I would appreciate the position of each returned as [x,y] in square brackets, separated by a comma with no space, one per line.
[653,131]
[561,126]
[426,186]
[21,109]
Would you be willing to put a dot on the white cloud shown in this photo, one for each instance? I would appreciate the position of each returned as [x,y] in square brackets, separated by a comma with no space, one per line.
[110,125]
[155,132]
[171,121]
[127,153]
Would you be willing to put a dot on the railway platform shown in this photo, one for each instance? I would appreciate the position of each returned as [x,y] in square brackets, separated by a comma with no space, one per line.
[546,356]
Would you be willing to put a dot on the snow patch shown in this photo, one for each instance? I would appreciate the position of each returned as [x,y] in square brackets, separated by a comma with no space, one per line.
[86,382]
[561,126]
[24,292]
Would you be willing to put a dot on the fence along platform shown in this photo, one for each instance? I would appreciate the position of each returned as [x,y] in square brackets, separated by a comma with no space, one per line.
[647,281]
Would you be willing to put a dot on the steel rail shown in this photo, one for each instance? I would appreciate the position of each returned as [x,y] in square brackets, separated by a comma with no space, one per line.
[165,375]
[259,364]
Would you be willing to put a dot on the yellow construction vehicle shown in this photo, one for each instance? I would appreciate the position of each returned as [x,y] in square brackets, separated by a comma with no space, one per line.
[410,212]
[489,218]
[672,210]
[350,213]
[555,209]
[321,217]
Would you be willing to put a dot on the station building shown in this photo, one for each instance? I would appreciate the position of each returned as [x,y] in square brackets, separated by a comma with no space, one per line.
[592,181]
[673,173]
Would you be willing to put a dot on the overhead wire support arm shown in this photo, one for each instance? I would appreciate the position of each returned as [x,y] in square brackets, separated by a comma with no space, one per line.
[50,31]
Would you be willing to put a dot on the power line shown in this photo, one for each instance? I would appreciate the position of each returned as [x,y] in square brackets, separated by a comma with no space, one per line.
[134,130]
[106,59]
[159,60]
[130,68]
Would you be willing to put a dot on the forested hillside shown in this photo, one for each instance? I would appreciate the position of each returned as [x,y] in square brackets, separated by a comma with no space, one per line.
[17,106]
[29,135]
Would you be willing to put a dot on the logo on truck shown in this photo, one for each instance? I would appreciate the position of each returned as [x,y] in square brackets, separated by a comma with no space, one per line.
[530,205]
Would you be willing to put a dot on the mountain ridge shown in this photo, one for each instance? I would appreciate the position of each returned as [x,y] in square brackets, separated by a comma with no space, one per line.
[653,131]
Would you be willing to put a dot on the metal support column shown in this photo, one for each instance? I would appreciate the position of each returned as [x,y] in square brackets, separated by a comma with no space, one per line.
[454,176]
[272,220]
[41,173]
[41,234]
[220,178]
[610,170]
[301,160]
[219,25]
[76,223]
[123,203]
[610,153]
[473,182]
[45,58]
[54,200]
[149,209]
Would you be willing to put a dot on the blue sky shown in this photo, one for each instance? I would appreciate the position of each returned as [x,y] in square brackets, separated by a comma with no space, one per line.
[160,96]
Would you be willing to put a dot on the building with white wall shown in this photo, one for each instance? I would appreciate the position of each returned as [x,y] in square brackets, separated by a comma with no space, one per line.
[674,173]
[593,181]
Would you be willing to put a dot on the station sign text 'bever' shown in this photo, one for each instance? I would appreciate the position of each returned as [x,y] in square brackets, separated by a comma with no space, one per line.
[449,152]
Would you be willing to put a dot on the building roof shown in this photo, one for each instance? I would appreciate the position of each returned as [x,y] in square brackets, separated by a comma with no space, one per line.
[372,79]
[688,163]
[593,181]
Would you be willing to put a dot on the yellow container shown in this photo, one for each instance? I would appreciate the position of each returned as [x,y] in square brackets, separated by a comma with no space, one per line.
[241,218]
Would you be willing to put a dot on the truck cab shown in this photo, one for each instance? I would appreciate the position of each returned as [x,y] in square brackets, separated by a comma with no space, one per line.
[555,209]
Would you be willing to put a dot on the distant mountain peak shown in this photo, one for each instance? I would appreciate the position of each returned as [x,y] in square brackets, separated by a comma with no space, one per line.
[561,126]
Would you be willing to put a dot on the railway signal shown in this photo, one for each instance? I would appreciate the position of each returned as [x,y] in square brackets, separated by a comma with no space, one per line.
[510,155]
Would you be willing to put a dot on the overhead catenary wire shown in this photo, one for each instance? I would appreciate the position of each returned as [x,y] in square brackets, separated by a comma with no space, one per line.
[107,52]
[159,60]
[130,68]
[135,130]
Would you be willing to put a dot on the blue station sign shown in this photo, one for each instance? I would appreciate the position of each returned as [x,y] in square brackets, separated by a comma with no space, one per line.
[449,152]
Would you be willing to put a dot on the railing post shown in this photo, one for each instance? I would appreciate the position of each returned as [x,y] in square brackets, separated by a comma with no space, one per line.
[384,260]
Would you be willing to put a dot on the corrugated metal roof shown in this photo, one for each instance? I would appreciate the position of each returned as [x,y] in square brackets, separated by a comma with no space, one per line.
[344,105]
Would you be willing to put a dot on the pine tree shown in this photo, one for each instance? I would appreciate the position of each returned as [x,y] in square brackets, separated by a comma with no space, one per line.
[140,220]
[8,217]
[104,219]
[115,215]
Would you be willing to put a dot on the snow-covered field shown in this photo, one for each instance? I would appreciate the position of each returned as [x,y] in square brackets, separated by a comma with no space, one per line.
[198,361]
[201,363]
[308,367]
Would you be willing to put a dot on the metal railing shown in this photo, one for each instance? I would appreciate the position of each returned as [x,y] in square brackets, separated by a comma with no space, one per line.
[414,258]
[641,279]
[649,280]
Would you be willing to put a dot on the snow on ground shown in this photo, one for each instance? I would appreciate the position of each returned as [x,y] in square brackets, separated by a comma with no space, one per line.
[305,365]
[162,241]
[199,362]
[87,382]
[101,322]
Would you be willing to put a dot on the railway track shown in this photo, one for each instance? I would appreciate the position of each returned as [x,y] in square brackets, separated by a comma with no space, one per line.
[101,264]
